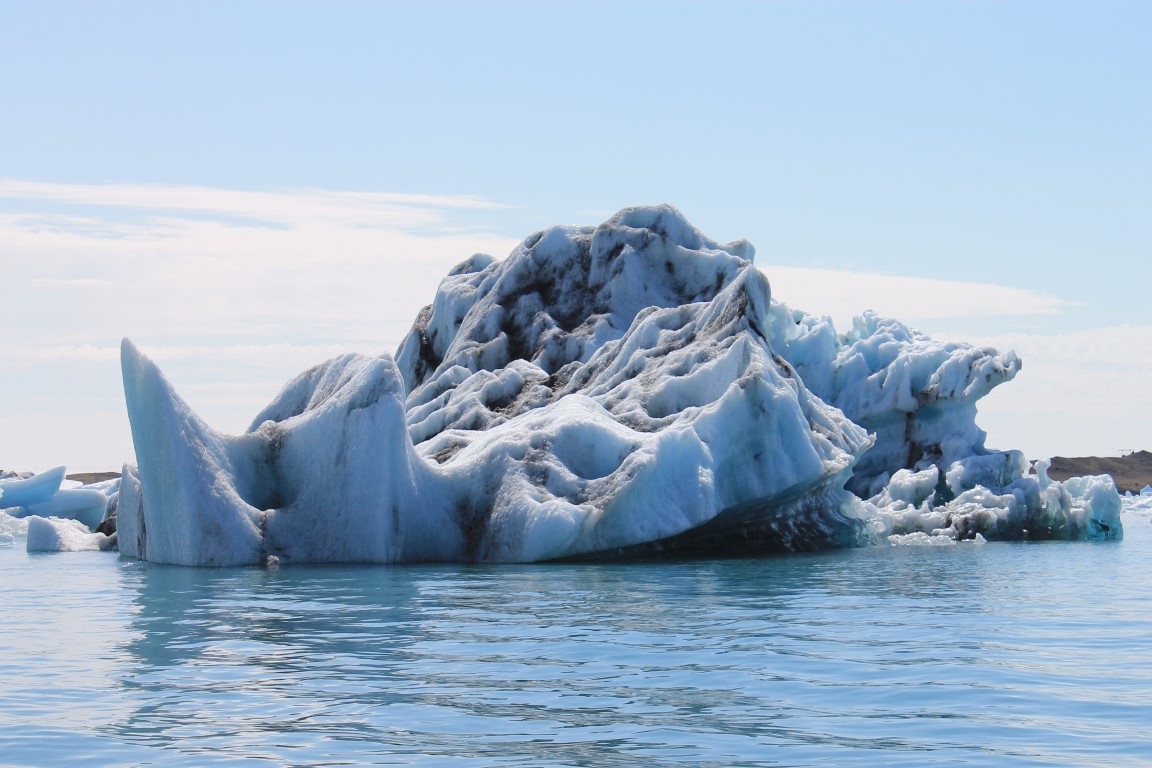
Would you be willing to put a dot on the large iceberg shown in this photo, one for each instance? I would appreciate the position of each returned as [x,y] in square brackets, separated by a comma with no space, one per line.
[622,390]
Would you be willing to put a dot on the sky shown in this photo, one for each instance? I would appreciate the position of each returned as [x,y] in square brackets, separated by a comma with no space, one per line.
[247,188]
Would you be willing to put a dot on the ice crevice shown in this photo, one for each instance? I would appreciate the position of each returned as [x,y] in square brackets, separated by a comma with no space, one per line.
[630,389]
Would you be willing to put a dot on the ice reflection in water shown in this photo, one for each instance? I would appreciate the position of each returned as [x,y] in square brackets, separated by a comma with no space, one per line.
[1006,654]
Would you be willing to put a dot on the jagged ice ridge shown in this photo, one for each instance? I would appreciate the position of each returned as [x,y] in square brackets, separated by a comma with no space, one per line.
[622,390]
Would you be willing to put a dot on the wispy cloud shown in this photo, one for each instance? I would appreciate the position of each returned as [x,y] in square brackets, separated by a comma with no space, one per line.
[1076,391]
[82,283]
[233,292]
[198,263]
[298,356]
[843,295]
[369,209]
[87,263]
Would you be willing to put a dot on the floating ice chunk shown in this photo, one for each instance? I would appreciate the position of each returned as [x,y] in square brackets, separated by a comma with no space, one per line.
[57,535]
[920,539]
[38,489]
[85,505]
[1095,508]
[1027,507]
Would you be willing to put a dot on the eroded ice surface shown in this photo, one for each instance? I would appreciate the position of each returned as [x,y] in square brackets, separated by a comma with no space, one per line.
[617,390]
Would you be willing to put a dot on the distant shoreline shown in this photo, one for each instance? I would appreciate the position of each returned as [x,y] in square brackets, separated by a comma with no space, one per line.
[1130,473]
[92,477]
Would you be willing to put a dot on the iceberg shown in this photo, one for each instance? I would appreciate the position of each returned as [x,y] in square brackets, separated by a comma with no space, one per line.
[625,390]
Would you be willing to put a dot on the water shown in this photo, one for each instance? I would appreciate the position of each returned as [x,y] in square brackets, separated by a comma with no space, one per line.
[974,655]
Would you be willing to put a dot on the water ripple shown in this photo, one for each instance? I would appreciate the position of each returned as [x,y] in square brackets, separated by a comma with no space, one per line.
[996,655]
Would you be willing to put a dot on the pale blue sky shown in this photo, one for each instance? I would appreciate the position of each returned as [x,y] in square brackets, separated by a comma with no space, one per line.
[1005,143]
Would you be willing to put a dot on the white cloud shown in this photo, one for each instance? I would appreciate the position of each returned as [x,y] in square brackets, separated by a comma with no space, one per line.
[80,282]
[232,291]
[302,355]
[197,263]
[1080,393]
[282,207]
[843,295]
[26,356]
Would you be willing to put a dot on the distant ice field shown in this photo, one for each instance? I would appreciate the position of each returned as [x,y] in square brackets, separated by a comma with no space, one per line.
[994,654]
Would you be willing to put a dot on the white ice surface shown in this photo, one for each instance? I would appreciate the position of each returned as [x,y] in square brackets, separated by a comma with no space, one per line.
[85,505]
[624,389]
[37,489]
[1140,504]
[57,535]
[915,394]
[12,528]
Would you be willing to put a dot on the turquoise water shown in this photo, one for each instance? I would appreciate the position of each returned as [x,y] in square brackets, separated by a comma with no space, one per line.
[975,655]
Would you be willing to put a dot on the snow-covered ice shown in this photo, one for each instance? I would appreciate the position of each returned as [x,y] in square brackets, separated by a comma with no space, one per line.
[62,535]
[1139,504]
[625,389]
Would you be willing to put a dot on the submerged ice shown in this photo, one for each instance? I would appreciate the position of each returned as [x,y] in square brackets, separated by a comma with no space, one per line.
[621,390]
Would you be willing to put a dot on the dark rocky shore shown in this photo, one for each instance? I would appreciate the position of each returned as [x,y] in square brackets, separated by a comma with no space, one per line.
[93,477]
[1131,472]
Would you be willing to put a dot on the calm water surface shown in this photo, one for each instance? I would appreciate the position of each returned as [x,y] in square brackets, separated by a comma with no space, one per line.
[976,655]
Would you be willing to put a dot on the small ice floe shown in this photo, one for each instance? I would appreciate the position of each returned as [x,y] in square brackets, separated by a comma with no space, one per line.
[922,539]
[59,535]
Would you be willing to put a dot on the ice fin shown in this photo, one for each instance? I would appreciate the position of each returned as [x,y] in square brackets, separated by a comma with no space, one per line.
[192,511]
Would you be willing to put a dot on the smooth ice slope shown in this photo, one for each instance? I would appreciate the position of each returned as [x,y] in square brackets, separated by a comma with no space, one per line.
[618,390]
[38,489]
